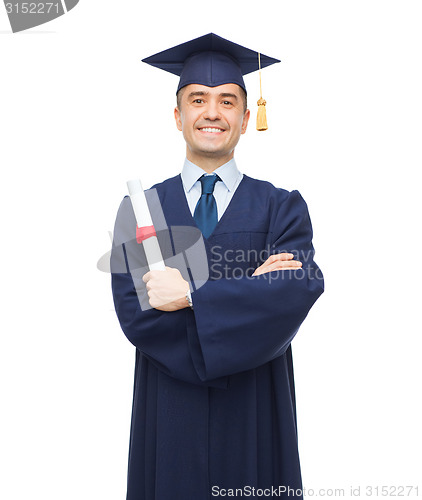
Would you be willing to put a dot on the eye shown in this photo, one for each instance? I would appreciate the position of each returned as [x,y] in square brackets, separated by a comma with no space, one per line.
[198,101]
[227,103]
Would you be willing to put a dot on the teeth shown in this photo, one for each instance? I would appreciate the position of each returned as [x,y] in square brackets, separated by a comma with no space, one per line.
[209,129]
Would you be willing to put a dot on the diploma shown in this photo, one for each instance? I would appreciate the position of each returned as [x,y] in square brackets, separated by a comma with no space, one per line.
[145,232]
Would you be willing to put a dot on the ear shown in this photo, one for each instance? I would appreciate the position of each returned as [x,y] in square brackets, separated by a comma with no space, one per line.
[245,122]
[178,118]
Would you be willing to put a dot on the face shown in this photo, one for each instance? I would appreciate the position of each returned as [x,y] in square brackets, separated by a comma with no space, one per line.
[212,120]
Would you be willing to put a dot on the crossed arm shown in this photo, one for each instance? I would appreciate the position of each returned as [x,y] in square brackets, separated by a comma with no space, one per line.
[167,289]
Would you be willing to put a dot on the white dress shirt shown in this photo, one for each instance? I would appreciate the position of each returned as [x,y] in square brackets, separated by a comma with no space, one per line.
[223,191]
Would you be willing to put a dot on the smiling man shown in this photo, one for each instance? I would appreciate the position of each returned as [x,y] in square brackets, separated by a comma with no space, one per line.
[214,409]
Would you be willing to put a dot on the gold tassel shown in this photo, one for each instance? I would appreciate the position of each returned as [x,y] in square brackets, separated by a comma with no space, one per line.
[261,117]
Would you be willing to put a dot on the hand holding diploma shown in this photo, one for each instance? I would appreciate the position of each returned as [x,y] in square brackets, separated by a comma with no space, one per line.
[166,289]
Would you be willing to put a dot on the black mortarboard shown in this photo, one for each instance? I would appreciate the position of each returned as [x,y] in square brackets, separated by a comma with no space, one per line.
[210,60]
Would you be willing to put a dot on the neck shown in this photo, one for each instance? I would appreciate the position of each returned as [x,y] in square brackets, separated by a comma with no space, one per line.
[209,164]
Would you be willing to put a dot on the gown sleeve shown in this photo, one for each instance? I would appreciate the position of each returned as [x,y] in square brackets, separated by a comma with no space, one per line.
[240,324]
[161,336]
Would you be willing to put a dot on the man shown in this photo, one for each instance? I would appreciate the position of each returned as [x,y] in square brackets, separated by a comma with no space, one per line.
[214,402]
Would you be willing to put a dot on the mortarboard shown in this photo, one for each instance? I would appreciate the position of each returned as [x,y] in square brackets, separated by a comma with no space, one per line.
[211,60]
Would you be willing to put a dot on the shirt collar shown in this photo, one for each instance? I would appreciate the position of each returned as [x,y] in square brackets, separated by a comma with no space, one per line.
[228,173]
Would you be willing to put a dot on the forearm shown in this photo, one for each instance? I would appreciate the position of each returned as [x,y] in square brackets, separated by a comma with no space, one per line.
[244,323]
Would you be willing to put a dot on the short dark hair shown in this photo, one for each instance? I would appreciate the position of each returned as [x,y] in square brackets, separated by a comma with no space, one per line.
[242,92]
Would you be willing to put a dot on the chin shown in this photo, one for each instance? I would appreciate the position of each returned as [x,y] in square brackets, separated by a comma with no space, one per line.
[212,147]
[210,152]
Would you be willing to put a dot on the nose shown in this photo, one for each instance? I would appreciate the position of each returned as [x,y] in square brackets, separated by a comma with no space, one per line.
[211,111]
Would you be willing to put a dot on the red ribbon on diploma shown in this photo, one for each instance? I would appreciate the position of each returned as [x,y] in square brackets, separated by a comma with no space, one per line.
[142,233]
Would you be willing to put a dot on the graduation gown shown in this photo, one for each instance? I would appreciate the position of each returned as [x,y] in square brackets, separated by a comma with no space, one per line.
[214,399]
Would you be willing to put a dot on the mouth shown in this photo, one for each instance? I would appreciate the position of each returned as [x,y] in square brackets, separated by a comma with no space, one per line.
[211,130]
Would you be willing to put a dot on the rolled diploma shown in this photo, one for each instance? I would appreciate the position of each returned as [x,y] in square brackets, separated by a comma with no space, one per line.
[145,226]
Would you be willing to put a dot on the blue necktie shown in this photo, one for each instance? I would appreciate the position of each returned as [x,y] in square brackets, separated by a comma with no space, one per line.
[205,213]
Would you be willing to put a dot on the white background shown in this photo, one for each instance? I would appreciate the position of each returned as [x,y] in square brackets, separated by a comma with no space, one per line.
[80,114]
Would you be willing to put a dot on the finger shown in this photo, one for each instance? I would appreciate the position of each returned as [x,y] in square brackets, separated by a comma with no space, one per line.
[279,257]
[291,264]
[279,266]
[153,303]
[283,264]
[146,277]
[283,256]
[155,273]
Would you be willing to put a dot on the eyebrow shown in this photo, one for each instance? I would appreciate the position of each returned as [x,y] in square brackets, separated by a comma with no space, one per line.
[202,93]
[228,94]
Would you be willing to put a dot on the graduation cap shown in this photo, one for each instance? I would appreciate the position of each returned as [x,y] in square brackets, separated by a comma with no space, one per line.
[211,60]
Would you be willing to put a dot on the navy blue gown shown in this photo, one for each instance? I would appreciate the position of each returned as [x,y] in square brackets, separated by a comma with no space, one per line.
[214,400]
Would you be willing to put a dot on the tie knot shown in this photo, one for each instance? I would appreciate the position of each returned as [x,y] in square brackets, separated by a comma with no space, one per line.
[208,183]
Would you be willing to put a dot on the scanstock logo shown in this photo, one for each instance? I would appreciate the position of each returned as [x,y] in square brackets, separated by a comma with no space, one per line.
[24,15]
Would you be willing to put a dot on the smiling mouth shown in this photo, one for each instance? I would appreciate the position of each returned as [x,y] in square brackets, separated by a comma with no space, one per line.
[212,130]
